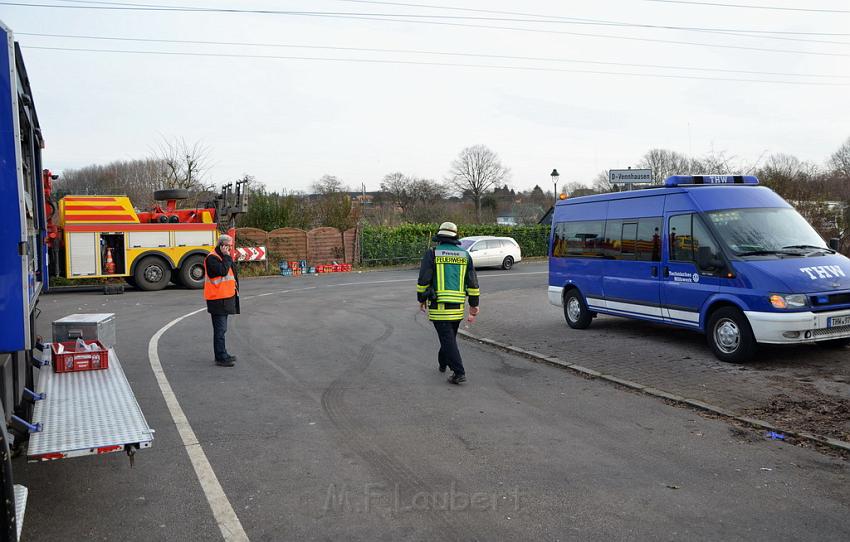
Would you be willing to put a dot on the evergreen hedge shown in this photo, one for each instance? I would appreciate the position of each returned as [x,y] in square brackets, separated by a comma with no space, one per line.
[385,245]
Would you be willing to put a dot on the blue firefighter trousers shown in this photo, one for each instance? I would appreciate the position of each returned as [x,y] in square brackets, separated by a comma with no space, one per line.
[449,354]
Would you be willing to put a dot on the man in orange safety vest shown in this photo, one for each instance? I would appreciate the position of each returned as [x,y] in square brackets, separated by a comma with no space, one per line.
[221,290]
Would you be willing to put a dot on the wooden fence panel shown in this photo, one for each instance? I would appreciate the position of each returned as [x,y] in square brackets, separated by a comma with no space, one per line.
[288,244]
[324,246]
[251,237]
[352,250]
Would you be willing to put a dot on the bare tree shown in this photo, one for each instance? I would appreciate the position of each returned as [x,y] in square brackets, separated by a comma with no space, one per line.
[397,186]
[183,165]
[476,170]
[602,183]
[840,160]
[137,179]
[664,162]
[329,184]
[716,162]
[426,190]
[333,206]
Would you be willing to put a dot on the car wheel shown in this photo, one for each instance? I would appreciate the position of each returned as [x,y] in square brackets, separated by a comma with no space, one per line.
[152,273]
[192,272]
[730,336]
[507,263]
[575,310]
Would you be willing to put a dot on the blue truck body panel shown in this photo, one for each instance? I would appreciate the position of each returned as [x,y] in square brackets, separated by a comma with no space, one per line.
[23,253]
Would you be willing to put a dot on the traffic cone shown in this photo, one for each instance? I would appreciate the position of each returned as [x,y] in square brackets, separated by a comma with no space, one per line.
[110,265]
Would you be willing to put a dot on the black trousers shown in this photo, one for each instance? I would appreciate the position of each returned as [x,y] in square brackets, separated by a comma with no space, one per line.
[449,354]
[219,322]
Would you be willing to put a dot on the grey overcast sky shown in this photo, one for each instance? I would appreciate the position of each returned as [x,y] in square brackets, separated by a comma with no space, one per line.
[588,95]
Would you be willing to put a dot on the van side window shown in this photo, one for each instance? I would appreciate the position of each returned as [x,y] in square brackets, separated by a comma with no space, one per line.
[649,239]
[629,240]
[612,242]
[690,241]
[584,238]
[706,251]
[681,247]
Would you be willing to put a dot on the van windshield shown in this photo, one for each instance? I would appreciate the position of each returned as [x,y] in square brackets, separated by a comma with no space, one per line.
[765,231]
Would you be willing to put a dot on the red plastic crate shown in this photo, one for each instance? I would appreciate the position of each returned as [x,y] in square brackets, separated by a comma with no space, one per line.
[73,361]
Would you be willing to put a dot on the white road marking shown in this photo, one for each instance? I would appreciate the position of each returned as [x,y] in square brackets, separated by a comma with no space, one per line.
[226,518]
[229,525]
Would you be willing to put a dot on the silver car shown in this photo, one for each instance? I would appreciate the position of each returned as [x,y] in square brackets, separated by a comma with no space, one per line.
[488,251]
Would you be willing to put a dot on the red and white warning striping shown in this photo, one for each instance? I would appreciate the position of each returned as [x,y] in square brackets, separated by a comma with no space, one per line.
[251,254]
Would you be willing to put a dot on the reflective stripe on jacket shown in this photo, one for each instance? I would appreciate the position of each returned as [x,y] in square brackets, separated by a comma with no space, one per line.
[447,271]
[218,287]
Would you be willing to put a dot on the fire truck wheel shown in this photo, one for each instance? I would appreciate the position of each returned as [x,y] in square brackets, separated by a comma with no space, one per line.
[192,272]
[152,273]
[175,193]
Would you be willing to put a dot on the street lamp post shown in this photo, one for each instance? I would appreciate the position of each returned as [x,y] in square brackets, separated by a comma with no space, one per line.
[555,176]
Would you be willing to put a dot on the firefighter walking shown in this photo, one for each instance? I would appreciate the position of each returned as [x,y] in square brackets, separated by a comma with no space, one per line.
[446,278]
[221,291]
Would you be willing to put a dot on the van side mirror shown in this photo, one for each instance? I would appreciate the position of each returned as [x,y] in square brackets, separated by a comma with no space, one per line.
[707,260]
[834,243]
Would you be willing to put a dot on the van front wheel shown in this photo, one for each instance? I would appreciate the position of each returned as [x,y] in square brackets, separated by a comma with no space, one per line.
[730,336]
[575,310]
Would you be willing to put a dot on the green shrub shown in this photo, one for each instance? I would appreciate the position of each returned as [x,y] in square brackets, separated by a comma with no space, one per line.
[384,245]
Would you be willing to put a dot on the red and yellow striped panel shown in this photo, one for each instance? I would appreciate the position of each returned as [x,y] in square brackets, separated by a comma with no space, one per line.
[97,210]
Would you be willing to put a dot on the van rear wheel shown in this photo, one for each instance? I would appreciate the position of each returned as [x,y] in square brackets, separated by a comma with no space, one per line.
[730,336]
[575,310]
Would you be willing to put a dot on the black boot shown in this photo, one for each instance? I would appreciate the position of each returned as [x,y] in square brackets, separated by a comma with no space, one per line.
[457,379]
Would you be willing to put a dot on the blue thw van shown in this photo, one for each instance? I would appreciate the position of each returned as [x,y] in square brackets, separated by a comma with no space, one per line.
[718,254]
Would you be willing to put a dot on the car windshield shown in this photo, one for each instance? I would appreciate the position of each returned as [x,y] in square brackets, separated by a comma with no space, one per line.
[751,232]
[466,243]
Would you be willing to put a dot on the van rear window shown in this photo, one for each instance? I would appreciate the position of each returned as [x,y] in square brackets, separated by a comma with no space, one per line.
[583,238]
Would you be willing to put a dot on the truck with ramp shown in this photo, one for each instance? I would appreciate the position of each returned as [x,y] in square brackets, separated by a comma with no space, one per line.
[51,410]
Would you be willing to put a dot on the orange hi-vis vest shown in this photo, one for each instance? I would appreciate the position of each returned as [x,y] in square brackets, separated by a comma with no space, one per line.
[218,287]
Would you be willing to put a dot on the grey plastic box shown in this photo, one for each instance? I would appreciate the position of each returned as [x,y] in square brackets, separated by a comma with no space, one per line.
[90,327]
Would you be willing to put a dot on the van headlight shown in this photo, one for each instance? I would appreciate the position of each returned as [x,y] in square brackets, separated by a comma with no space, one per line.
[792,301]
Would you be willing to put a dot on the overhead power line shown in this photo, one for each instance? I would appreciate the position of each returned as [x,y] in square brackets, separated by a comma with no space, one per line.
[373,17]
[441,64]
[538,18]
[749,6]
[429,52]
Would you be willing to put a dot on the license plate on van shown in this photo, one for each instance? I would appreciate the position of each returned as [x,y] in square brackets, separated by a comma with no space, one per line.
[838,321]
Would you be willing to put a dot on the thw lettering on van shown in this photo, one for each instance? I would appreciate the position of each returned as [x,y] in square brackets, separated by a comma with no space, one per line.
[823,272]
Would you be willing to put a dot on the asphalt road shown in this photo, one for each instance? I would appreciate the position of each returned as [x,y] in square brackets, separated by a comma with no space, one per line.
[335,424]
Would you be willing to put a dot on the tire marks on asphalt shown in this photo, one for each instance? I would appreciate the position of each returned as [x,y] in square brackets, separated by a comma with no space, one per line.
[354,435]
[392,470]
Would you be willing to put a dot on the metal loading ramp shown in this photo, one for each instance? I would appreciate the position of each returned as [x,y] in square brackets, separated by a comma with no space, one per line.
[86,413]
